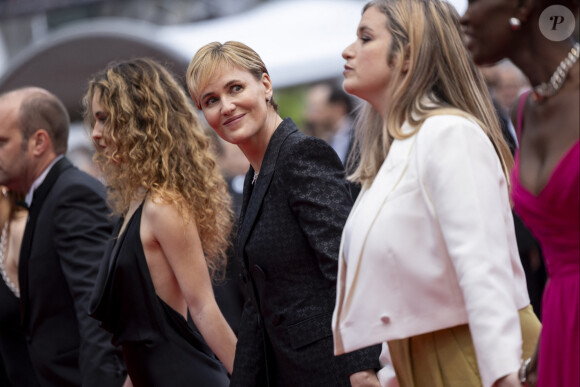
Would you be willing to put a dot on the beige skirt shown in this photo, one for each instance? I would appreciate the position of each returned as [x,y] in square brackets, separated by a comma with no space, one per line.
[446,358]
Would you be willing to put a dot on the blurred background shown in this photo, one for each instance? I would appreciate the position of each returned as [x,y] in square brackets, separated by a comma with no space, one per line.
[58,44]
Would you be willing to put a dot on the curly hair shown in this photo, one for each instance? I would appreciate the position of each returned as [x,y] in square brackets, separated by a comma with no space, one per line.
[156,142]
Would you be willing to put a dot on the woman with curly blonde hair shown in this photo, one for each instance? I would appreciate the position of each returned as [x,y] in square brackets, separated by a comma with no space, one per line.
[171,239]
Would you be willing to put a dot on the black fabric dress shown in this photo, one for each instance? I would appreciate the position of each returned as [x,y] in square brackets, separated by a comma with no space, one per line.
[160,347]
[13,349]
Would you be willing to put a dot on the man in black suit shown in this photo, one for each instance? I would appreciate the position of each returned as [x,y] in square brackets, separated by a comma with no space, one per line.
[63,243]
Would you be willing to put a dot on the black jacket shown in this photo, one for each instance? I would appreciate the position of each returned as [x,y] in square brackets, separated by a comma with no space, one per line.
[288,241]
[62,247]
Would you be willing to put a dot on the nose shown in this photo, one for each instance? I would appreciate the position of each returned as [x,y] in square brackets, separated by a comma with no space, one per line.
[228,106]
[97,132]
[347,52]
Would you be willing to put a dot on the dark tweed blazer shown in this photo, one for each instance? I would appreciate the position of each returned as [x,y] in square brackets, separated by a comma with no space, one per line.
[289,236]
[62,247]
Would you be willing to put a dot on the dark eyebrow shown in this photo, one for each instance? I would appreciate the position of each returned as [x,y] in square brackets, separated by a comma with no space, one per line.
[362,29]
[225,87]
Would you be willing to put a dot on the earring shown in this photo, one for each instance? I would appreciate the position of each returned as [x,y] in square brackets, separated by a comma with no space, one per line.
[268,98]
[5,192]
[515,23]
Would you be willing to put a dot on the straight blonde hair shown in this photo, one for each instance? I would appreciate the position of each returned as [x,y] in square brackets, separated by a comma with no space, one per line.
[440,79]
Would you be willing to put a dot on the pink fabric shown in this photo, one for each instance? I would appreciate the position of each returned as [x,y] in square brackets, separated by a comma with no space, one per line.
[553,216]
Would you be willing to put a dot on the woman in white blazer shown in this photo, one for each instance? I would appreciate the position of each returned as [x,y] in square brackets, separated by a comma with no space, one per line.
[429,261]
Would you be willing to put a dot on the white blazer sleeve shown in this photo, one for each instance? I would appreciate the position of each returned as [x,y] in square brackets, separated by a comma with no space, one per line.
[462,177]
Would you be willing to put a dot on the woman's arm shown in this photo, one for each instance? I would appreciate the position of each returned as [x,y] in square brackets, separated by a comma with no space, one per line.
[181,246]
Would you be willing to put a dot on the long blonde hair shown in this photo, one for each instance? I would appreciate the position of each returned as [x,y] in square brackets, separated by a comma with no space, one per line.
[158,144]
[440,79]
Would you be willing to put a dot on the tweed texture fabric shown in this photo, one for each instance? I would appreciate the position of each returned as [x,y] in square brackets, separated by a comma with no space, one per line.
[289,236]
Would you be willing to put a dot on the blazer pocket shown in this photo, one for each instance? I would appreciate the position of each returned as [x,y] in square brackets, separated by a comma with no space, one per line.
[310,330]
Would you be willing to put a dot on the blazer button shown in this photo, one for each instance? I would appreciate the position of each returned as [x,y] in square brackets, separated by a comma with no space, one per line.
[385,319]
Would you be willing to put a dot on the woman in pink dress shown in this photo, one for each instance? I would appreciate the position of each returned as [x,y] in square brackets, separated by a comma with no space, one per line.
[537,36]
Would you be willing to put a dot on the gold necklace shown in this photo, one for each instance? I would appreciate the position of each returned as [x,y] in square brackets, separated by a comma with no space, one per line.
[550,88]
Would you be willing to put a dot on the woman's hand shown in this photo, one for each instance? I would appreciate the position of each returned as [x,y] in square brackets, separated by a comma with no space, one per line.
[511,380]
[366,378]
[531,371]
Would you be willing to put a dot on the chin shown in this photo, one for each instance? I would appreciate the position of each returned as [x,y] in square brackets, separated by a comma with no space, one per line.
[479,59]
[350,89]
[485,58]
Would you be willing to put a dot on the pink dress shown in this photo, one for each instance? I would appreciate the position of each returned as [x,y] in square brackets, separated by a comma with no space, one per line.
[553,216]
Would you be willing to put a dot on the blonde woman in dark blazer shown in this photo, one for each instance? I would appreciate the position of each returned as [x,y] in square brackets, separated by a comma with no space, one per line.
[429,261]
[295,204]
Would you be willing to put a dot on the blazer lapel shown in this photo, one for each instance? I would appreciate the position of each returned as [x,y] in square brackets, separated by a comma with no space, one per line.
[254,195]
[369,206]
[247,193]
[40,195]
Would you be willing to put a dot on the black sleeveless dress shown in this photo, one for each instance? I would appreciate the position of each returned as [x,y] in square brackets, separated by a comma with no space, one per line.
[160,347]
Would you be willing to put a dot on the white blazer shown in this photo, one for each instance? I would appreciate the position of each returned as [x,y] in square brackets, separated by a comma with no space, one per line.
[431,245]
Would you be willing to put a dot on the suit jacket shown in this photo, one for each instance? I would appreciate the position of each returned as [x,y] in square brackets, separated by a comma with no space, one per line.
[62,247]
[435,233]
[288,240]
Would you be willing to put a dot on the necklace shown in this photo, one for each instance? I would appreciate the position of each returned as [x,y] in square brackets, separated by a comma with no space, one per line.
[550,88]
[3,249]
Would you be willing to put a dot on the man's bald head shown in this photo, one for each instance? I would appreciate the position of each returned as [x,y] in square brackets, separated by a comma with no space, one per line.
[40,109]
